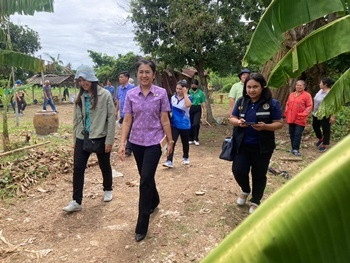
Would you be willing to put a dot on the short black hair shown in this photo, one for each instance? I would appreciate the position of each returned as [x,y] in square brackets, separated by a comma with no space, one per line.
[195,82]
[328,82]
[125,73]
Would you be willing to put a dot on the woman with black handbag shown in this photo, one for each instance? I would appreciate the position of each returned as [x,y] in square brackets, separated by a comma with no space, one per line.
[256,116]
[94,129]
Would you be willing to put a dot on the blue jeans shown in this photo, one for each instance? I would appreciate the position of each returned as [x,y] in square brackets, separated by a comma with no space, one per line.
[295,133]
[49,101]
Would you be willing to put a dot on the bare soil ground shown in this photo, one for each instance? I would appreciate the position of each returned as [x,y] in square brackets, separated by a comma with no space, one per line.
[185,227]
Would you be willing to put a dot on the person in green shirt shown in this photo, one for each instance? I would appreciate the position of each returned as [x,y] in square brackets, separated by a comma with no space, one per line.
[237,89]
[198,101]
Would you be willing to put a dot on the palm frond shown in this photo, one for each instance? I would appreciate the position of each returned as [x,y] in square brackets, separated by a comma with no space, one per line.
[268,35]
[24,7]
[17,59]
[338,96]
[323,44]
[307,220]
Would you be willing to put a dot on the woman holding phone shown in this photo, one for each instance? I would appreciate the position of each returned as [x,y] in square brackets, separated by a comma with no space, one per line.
[256,116]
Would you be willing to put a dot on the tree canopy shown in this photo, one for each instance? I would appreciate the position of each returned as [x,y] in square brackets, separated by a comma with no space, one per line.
[109,67]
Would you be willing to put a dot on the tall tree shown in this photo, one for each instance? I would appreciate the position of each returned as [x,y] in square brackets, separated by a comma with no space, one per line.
[201,33]
[109,67]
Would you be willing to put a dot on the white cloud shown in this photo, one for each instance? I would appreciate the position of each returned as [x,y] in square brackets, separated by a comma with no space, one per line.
[79,25]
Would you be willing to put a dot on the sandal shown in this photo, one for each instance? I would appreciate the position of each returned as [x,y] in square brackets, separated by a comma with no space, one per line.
[252,207]
[242,198]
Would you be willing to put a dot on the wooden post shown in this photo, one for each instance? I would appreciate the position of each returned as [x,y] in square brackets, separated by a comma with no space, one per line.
[221,99]
[59,94]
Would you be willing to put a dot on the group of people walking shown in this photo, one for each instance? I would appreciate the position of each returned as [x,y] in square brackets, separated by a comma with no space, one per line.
[146,121]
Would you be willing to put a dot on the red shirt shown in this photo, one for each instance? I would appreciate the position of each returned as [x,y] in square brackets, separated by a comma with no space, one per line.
[298,108]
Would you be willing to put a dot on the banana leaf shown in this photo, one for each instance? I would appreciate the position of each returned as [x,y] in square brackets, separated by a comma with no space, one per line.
[338,96]
[307,220]
[281,16]
[17,59]
[24,7]
[323,44]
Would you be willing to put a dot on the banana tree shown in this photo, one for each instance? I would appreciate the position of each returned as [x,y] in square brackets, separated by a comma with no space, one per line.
[307,220]
[321,45]
[10,58]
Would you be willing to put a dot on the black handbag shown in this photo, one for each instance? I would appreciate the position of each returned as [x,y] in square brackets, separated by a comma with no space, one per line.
[93,145]
[227,152]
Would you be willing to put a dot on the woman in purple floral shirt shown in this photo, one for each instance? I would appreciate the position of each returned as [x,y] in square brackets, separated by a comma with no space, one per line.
[146,110]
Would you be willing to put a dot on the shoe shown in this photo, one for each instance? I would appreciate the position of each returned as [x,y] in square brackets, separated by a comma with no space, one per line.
[168,164]
[186,161]
[242,198]
[252,208]
[323,148]
[196,143]
[318,143]
[191,142]
[139,237]
[107,196]
[73,206]
[296,153]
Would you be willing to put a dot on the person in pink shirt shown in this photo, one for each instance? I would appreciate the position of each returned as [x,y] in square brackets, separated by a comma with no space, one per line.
[298,108]
[146,113]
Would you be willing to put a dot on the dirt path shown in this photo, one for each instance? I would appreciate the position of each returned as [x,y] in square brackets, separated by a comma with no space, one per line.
[184,228]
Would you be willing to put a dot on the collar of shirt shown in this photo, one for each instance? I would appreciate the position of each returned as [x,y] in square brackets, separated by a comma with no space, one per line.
[152,90]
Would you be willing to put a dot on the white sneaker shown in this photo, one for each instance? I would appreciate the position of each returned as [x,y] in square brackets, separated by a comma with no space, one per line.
[190,142]
[252,208]
[242,198]
[186,161]
[107,196]
[196,143]
[73,206]
[168,164]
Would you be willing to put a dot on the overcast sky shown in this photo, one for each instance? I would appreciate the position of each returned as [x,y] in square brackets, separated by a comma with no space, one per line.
[79,25]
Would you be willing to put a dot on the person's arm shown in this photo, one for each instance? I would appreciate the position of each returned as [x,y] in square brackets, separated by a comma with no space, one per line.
[275,125]
[110,124]
[164,119]
[231,104]
[45,95]
[124,135]
[116,108]
[188,102]
[308,106]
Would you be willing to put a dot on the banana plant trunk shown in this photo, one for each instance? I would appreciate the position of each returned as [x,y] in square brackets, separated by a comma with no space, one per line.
[5,132]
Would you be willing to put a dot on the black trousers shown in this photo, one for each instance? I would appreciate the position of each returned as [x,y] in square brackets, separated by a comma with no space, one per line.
[195,117]
[249,158]
[80,160]
[184,134]
[326,129]
[147,159]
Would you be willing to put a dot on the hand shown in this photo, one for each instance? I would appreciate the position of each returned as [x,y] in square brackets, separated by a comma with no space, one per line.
[259,126]
[332,119]
[241,123]
[170,148]
[116,115]
[121,153]
[185,91]
[108,148]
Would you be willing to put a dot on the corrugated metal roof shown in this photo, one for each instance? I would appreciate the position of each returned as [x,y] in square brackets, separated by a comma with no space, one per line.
[55,80]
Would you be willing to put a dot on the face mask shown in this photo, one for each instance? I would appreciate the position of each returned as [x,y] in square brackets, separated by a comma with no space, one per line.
[194,89]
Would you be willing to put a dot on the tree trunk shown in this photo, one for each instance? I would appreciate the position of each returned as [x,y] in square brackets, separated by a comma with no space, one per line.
[204,86]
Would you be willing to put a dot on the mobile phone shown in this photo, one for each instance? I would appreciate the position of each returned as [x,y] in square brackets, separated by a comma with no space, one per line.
[250,122]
